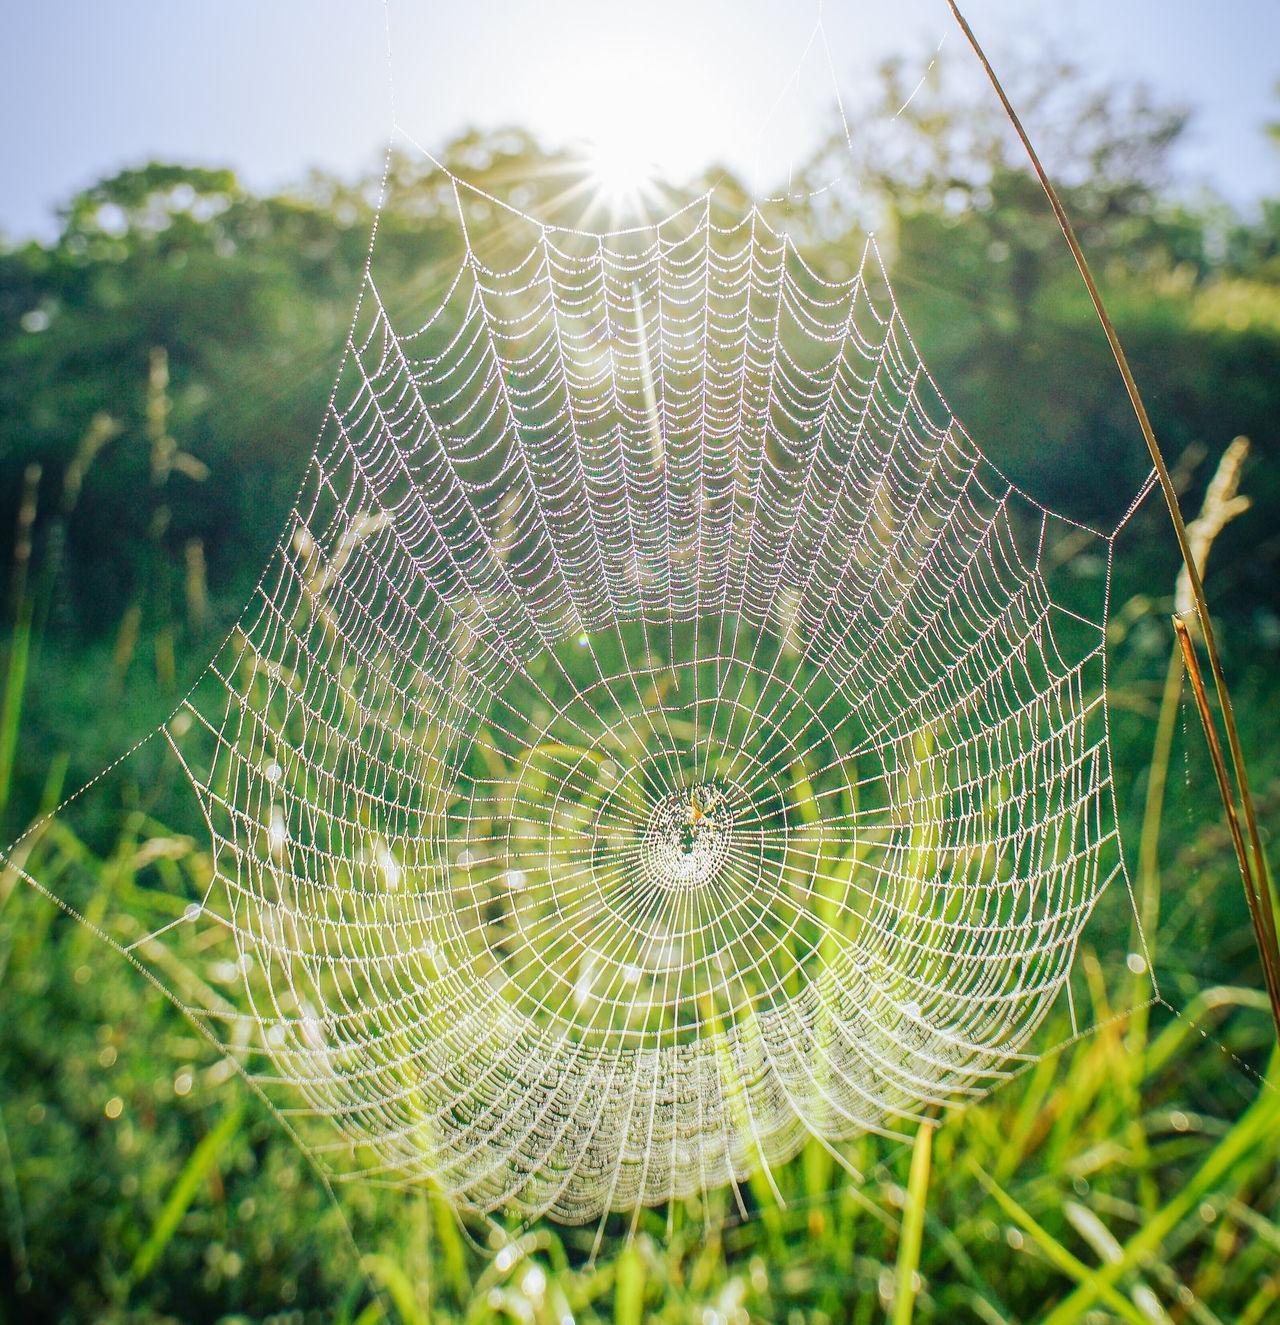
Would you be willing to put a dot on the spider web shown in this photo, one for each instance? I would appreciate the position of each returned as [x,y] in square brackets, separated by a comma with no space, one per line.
[654,741]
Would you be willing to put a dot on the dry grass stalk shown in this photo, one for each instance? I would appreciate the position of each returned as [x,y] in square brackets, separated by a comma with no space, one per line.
[1257,893]
[1248,812]
[1222,503]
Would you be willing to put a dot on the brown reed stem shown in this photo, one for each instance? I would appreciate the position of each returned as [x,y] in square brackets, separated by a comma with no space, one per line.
[1264,919]
[1251,888]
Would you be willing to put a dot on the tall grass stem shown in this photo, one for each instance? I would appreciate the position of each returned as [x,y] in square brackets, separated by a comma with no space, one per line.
[906,1277]
[1255,889]
[1264,933]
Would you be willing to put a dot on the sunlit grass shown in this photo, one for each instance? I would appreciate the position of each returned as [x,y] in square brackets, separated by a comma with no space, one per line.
[1128,1170]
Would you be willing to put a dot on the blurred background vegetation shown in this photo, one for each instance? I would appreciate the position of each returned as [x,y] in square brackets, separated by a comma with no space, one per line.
[165,363]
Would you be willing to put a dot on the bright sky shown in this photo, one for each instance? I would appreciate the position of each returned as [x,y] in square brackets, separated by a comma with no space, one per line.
[273,87]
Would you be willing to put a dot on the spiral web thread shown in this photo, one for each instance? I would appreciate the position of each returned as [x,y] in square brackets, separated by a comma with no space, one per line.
[654,741]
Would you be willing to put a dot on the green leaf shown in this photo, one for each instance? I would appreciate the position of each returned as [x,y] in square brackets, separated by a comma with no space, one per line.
[183,1192]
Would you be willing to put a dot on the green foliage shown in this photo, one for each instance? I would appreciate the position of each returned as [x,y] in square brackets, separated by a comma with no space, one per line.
[146,1184]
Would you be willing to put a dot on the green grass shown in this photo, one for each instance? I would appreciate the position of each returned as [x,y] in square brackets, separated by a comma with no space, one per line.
[1134,1174]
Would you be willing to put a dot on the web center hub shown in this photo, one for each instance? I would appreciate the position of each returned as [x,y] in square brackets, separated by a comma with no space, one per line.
[689,836]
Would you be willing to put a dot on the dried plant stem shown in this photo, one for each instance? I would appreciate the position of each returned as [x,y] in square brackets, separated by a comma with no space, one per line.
[1255,890]
[1253,862]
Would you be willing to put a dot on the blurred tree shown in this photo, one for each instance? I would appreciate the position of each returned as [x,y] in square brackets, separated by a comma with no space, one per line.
[250,301]
[991,295]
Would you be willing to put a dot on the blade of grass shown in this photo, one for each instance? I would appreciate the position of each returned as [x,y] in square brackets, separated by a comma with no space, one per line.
[20,645]
[1104,1243]
[15,1221]
[628,1288]
[15,688]
[182,1193]
[449,1244]
[1015,1137]
[1222,504]
[992,1306]
[1058,1255]
[1260,1304]
[906,1272]
[1257,1127]
[395,1282]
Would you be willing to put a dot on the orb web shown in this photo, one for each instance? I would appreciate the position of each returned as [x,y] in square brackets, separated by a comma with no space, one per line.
[655,741]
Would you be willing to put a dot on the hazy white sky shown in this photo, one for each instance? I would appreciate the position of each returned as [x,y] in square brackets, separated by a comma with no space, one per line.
[272,87]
